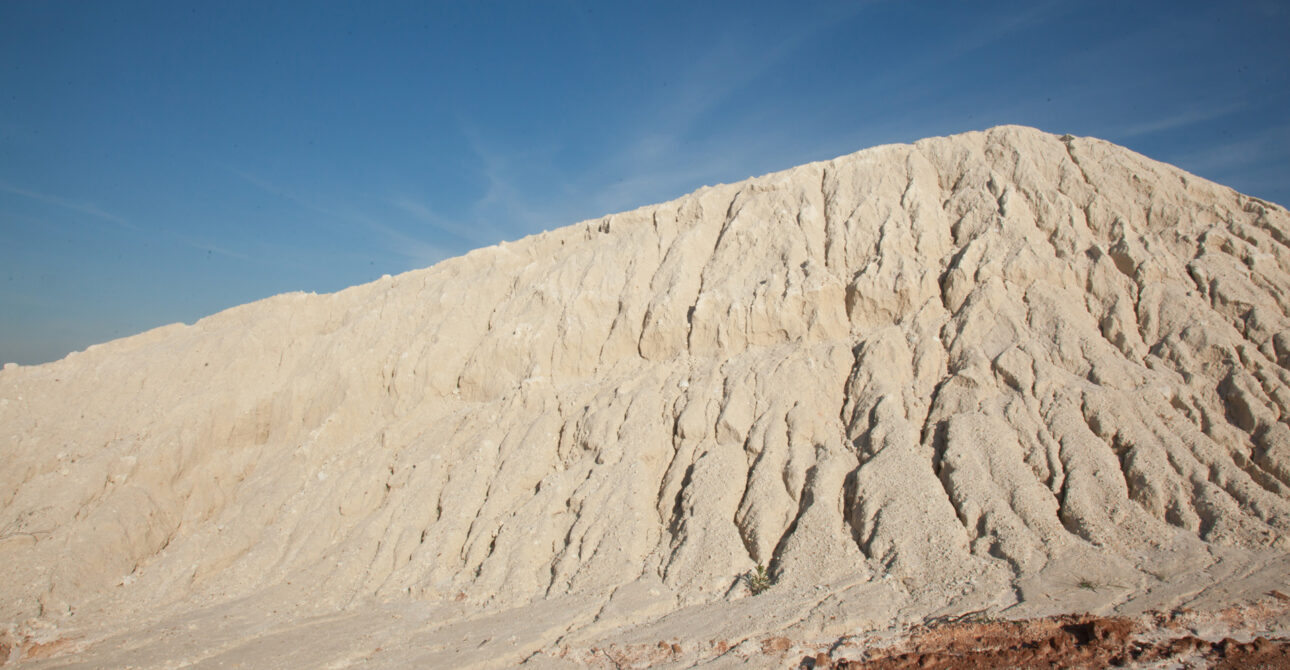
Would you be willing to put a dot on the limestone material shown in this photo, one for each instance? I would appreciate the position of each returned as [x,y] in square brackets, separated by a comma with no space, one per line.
[1004,371]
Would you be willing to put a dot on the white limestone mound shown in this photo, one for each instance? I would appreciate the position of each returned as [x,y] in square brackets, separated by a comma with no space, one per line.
[1001,371]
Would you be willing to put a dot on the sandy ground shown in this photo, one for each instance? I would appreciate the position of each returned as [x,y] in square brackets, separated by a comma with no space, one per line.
[768,630]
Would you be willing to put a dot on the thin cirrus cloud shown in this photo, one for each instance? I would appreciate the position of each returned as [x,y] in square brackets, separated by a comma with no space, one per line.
[1183,119]
[120,222]
[474,235]
[1268,148]
[414,248]
[656,157]
[71,205]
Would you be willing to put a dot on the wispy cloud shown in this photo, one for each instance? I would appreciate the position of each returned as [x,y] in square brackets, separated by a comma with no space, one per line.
[1180,120]
[96,212]
[71,205]
[480,233]
[524,191]
[420,252]
[280,192]
[658,158]
[715,76]
[998,30]
[651,157]
[209,248]
[397,242]
[1268,148]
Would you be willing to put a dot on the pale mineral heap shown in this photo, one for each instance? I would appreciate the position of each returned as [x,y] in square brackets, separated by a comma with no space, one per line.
[1004,372]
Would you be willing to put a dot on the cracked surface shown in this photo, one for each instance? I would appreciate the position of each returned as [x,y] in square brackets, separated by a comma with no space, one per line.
[968,373]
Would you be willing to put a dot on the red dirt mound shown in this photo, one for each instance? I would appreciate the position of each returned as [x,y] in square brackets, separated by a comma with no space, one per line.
[1074,642]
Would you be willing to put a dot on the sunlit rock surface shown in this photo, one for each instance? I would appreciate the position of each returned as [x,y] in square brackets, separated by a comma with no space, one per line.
[1003,371]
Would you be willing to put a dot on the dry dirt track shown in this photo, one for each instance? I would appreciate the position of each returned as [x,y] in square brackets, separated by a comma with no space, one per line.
[1004,371]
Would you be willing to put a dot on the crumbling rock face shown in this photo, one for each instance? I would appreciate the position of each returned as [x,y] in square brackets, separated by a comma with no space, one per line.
[966,369]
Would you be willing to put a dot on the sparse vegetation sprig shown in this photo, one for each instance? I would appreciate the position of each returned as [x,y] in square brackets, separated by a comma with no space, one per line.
[1089,584]
[758,579]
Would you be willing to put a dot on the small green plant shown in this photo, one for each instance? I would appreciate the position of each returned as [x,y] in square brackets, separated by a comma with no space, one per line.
[1087,584]
[758,579]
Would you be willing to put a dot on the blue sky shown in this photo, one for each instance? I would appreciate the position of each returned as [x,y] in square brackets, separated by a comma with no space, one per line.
[162,161]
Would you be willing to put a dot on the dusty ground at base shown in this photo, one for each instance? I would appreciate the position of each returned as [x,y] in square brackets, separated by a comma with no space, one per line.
[754,632]
[1254,636]
[1005,372]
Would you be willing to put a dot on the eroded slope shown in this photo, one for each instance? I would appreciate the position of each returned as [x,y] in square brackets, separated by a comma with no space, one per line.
[961,373]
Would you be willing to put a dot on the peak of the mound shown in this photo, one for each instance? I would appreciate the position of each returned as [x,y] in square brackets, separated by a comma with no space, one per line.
[974,372]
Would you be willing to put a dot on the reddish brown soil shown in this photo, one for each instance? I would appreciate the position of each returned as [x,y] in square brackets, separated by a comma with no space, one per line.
[28,650]
[1068,642]
[974,641]
[1074,642]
